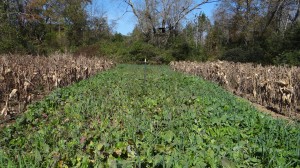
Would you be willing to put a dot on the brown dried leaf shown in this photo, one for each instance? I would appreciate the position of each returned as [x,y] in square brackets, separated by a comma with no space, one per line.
[13,93]
[26,84]
[1,78]
[7,71]
[4,111]
[282,83]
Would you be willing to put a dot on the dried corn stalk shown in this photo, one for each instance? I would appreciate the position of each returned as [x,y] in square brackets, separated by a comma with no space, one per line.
[274,87]
[24,78]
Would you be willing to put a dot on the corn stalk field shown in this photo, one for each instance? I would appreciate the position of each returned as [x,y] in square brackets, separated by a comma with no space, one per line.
[24,79]
[277,88]
[124,118]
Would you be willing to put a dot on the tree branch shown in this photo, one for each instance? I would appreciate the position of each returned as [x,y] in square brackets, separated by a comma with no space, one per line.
[186,11]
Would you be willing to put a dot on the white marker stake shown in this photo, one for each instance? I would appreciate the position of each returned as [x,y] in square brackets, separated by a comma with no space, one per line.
[145,71]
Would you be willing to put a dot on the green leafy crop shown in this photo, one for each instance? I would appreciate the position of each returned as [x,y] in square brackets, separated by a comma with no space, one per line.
[117,119]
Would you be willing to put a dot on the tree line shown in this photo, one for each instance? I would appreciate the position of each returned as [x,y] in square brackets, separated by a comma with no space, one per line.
[260,31]
[264,31]
[45,26]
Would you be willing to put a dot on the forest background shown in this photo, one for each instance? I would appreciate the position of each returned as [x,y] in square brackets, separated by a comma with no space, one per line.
[259,31]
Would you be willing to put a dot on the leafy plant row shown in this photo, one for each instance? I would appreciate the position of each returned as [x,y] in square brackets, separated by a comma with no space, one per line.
[124,118]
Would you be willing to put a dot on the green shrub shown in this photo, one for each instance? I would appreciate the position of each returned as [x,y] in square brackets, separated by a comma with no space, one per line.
[88,51]
[181,51]
[251,54]
[289,58]
[235,55]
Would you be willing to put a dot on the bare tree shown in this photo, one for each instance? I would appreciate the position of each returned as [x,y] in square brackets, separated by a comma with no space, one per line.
[245,20]
[163,16]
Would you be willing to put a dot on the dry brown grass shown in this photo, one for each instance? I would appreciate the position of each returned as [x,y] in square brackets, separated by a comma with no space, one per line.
[277,88]
[24,79]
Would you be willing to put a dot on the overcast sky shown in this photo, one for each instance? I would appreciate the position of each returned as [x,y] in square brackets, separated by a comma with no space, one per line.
[116,10]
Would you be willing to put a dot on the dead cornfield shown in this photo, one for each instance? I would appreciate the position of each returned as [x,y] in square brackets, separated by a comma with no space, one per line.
[276,88]
[24,79]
